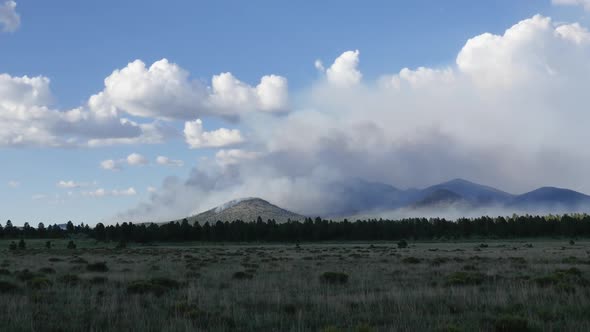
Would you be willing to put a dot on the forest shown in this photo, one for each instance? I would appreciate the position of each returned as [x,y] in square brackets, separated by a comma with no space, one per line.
[318,229]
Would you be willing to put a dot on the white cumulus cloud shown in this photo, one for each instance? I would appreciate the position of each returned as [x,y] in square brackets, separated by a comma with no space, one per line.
[234,156]
[163,160]
[164,90]
[70,184]
[9,18]
[344,71]
[583,3]
[101,192]
[27,118]
[110,165]
[135,159]
[196,137]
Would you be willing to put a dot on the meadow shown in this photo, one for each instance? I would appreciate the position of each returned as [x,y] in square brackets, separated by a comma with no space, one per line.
[539,285]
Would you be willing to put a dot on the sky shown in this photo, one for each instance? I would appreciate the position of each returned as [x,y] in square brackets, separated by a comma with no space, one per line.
[150,110]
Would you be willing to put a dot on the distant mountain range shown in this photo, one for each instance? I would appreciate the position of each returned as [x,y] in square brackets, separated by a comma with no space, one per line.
[462,195]
[358,197]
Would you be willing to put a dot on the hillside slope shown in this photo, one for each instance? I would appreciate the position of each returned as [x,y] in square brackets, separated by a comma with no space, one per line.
[246,209]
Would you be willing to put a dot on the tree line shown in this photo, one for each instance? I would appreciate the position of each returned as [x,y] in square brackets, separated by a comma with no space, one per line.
[318,229]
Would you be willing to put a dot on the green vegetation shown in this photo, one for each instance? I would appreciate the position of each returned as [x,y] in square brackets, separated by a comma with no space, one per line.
[334,278]
[427,286]
[316,230]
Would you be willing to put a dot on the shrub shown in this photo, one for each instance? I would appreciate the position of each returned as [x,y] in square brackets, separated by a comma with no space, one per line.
[330,329]
[141,287]
[79,260]
[545,281]
[571,260]
[70,279]
[511,323]
[4,272]
[165,282]
[97,267]
[290,309]
[188,310]
[12,245]
[22,244]
[98,280]
[402,244]
[241,275]
[450,328]
[411,260]
[47,270]
[8,287]
[71,245]
[48,244]
[26,275]
[518,260]
[464,278]
[39,283]
[572,242]
[439,261]
[121,245]
[334,278]
[363,328]
[564,280]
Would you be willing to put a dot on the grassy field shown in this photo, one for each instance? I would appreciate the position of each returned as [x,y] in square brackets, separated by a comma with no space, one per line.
[463,286]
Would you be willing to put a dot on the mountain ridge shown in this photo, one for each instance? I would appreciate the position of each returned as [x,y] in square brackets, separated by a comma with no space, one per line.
[360,197]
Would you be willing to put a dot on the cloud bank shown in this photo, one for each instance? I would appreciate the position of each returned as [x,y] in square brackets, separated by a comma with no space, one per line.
[510,112]
[139,105]
[584,3]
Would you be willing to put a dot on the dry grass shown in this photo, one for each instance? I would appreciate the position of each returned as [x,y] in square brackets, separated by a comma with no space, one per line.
[505,286]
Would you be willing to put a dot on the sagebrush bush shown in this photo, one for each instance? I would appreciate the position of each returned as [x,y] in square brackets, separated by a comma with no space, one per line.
[26,275]
[411,260]
[334,278]
[141,287]
[463,278]
[8,287]
[511,323]
[69,279]
[402,244]
[47,270]
[97,267]
[98,280]
[241,275]
[39,283]
[165,282]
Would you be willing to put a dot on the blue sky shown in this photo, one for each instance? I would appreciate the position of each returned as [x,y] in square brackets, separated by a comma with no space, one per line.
[77,44]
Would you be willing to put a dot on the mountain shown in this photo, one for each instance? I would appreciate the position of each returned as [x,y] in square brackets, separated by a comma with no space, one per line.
[551,198]
[473,193]
[246,209]
[357,195]
[440,198]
